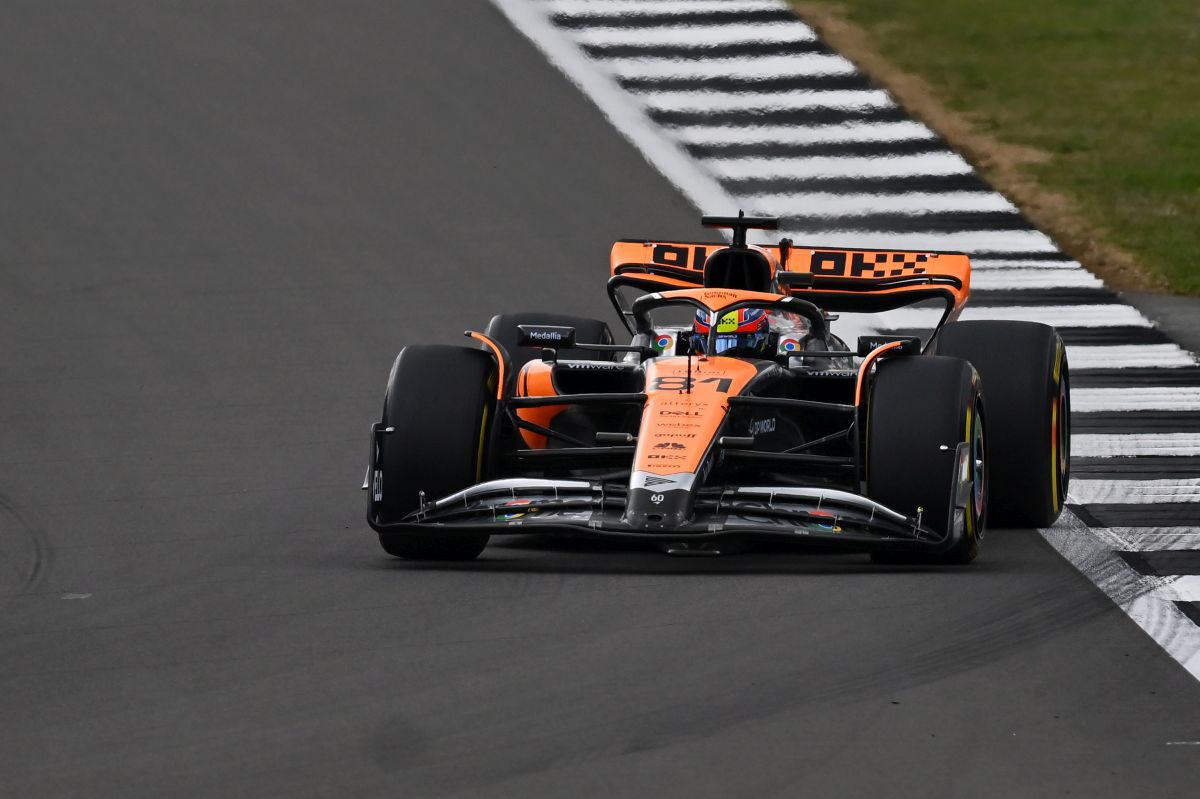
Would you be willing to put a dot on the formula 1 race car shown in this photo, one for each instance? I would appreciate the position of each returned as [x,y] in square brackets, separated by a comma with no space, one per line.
[733,415]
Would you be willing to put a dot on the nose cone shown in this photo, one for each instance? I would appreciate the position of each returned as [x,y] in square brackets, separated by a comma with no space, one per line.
[651,511]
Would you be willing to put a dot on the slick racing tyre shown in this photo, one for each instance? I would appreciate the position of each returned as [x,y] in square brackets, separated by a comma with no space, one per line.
[1023,366]
[439,403]
[919,410]
[503,329]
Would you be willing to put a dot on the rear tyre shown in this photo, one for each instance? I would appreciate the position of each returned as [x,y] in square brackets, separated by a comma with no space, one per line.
[503,329]
[1024,367]
[919,410]
[439,403]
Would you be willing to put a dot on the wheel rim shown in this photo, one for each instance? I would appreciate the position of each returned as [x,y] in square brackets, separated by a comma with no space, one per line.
[978,469]
[1063,434]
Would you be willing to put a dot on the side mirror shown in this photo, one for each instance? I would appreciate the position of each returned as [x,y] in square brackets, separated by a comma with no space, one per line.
[545,336]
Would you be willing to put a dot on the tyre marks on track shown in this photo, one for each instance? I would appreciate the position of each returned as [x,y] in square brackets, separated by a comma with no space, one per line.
[742,105]
[25,558]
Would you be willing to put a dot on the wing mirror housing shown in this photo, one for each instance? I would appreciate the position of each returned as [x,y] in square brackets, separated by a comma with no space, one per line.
[545,336]
[909,345]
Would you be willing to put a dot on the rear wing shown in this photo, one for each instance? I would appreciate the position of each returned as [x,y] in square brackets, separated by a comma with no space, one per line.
[850,280]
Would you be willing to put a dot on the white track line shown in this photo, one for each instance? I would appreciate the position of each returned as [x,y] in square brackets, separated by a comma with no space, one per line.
[1184,589]
[1135,492]
[801,65]
[718,101]
[1065,315]
[962,241]
[1128,356]
[1071,277]
[617,106]
[1057,315]
[848,132]
[699,37]
[916,203]
[825,166]
[984,263]
[582,9]
[1149,539]
[1144,599]
[1134,445]
[1142,398]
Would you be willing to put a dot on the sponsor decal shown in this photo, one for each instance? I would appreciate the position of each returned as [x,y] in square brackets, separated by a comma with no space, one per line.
[669,445]
[681,413]
[664,342]
[517,514]
[867,264]
[789,345]
[545,335]
[824,514]
[525,507]
[679,257]
[682,403]
[759,426]
[377,485]
[572,515]
[592,366]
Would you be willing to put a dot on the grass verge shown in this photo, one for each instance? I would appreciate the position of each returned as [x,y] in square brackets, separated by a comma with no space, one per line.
[1085,112]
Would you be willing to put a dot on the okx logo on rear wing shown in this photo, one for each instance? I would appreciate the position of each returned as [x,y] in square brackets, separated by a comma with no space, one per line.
[842,279]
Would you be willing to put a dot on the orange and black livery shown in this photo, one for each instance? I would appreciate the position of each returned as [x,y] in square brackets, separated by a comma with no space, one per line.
[733,413]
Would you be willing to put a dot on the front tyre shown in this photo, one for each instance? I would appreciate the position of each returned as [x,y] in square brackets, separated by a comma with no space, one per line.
[920,411]
[439,406]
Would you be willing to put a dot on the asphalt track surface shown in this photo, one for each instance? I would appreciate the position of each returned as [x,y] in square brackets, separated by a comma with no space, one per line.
[218,225]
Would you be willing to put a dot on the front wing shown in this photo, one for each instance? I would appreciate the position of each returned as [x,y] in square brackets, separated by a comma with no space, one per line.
[828,517]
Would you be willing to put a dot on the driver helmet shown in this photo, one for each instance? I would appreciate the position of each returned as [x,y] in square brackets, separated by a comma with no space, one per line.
[741,333]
